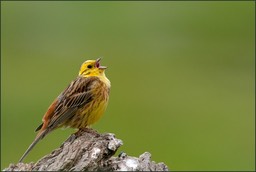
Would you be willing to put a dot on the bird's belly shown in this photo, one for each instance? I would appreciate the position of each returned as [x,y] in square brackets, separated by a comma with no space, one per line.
[97,113]
[88,115]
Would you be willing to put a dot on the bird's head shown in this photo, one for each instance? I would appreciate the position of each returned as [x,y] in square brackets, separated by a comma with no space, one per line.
[92,68]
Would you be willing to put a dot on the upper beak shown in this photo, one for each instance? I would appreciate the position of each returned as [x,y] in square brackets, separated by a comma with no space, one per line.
[97,64]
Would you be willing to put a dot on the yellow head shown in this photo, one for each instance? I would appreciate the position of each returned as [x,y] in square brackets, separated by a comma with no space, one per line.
[92,68]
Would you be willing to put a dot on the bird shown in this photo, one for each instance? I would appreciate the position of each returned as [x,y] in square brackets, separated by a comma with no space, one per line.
[80,105]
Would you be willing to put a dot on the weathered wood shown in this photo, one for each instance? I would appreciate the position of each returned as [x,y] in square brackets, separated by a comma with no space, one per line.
[90,151]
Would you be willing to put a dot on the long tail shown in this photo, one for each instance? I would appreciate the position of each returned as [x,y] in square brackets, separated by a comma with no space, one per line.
[38,137]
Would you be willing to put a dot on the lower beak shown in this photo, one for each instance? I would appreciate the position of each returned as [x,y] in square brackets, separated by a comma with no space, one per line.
[98,64]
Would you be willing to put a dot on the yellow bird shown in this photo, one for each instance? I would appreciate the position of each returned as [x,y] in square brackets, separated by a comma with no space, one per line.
[81,104]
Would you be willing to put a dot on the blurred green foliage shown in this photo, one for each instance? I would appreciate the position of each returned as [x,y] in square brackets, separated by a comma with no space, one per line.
[182,77]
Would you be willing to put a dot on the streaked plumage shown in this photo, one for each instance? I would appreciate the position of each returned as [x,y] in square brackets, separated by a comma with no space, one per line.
[81,104]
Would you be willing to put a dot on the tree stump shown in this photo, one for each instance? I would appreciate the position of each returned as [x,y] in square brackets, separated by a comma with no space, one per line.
[88,150]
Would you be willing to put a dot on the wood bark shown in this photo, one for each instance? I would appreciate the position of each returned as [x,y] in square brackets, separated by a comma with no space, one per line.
[88,150]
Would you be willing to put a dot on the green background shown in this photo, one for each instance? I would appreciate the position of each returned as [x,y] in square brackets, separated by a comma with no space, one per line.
[182,77]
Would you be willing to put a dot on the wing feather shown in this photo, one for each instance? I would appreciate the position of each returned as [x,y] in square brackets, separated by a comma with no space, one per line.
[78,93]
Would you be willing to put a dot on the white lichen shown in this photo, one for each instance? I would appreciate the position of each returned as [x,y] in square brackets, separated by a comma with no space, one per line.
[132,163]
[95,153]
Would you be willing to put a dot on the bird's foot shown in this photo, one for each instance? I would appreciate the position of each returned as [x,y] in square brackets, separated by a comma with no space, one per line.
[88,131]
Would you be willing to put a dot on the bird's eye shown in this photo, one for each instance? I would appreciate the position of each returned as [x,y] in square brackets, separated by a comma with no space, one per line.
[89,66]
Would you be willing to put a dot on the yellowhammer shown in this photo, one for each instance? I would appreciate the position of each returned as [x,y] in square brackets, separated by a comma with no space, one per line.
[81,104]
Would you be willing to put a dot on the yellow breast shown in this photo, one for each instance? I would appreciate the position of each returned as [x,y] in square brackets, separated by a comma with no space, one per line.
[93,111]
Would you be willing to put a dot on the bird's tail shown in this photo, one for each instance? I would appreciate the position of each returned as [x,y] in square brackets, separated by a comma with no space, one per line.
[39,136]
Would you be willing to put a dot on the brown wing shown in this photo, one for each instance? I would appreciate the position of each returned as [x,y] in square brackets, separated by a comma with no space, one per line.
[77,94]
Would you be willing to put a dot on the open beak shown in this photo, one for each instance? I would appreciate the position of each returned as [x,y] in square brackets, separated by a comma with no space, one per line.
[97,64]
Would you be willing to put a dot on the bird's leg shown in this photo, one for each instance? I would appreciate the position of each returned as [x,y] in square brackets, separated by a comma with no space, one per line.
[78,133]
[86,130]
